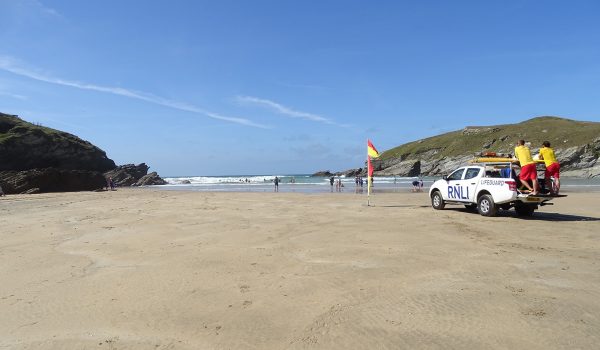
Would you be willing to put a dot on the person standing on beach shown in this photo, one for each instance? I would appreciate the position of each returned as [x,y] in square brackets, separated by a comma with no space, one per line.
[528,169]
[552,168]
[415,184]
[276,182]
[331,181]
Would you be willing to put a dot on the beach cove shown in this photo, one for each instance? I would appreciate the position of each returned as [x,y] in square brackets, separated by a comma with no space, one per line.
[147,268]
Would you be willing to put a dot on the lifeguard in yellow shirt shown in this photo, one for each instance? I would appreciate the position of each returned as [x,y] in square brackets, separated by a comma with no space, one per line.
[552,168]
[528,169]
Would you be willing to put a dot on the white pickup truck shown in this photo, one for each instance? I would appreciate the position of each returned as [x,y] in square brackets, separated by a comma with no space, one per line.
[485,187]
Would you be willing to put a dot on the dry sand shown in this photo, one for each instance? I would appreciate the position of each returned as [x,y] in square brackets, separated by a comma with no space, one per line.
[148,269]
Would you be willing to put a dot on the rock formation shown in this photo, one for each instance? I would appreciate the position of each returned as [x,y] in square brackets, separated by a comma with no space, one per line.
[26,146]
[134,175]
[35,159]
[50,180]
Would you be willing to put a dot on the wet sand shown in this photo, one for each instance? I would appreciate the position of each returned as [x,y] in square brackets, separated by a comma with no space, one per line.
[150,269]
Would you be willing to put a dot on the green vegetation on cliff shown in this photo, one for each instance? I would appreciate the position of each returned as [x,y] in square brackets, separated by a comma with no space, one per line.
[562,133]
[24,145]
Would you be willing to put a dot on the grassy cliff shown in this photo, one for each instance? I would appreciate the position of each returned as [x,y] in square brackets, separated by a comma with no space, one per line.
[562,133]
[24,145]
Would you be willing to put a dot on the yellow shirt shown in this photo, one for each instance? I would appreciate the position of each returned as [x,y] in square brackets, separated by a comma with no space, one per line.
[523,155]
[548,154]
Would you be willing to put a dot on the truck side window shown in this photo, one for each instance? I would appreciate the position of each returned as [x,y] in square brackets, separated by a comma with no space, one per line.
[456,175]
[471,173]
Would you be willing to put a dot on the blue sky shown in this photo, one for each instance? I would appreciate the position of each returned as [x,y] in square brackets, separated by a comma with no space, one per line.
[281,86]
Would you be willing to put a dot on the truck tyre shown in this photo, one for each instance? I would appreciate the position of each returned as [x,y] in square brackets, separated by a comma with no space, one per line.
[525,209]
[486,205]
[437,202]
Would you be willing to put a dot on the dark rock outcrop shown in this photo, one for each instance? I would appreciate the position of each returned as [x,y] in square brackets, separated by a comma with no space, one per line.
[128,174]
[351,172]
[50,180]
[134,175]
[323,173]
[150,179]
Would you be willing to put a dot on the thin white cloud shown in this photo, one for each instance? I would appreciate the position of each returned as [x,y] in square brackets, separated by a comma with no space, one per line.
[17,96]
[287,111]
[10,65]
[45,9]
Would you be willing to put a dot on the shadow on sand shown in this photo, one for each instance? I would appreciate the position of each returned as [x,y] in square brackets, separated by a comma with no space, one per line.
[537,216]
[542,216]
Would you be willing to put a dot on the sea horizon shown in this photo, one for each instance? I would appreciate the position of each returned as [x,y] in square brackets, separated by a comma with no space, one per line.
[307,183]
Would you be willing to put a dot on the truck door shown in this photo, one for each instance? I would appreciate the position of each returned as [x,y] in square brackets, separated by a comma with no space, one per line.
[471,180]
[455,186]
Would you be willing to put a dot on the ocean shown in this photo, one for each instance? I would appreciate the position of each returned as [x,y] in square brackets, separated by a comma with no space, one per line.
[305,183]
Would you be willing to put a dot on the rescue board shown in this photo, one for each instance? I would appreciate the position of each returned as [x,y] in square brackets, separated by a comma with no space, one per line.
[497,160]
[492,159]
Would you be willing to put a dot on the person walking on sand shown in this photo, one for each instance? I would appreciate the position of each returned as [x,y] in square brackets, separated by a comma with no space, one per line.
[276,182]
[528,169]
[331,181]
[552,168]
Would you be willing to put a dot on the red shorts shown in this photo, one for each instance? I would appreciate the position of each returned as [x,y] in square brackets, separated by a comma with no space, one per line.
[553,171]
[528,172]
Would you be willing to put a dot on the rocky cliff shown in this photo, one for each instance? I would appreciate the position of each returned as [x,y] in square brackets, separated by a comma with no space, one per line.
[576,143]
[26,146]
[36,159]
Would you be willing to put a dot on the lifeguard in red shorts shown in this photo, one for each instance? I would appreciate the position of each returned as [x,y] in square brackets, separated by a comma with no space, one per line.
[528,170]
[552,168]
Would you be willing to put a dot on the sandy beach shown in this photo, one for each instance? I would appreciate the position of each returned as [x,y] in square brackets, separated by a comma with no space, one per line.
[151,269]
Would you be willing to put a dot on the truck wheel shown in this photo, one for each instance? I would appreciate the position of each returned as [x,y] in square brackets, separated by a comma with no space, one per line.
[437,202]
[486,205]
[525,209]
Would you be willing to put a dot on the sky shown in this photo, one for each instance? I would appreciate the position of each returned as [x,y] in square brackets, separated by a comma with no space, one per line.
[288,86]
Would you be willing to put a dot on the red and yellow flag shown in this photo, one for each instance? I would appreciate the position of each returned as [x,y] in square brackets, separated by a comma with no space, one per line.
[371,153]
[371,150]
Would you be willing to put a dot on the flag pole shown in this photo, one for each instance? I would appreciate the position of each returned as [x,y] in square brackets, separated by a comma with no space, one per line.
[368,177]
[371,153]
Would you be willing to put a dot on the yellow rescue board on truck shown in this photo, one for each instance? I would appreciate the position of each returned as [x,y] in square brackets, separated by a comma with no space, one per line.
[497,160]
[492,159]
